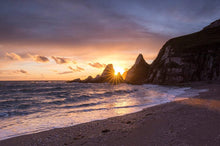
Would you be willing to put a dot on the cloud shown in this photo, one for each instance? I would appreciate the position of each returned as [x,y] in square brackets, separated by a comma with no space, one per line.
[13,56]
[66,72]
[80,69]
[100,21]
[77,69]
[97,65]
[21,71]
[39,58]
[71,68]
[42,59]
[103,26]
[74,62]
[60,60]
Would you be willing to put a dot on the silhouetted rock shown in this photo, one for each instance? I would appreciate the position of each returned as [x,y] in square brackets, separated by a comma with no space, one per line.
[108,71]
[107,76]
[194,57]
[124,75]
[117,79]
[137,74]
[96,79]
[75,80]
[88,79]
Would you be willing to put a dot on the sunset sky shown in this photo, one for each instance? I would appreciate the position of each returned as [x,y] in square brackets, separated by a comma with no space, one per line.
[63,39]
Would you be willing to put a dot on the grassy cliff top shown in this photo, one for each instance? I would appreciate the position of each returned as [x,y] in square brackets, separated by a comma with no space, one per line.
[201,38]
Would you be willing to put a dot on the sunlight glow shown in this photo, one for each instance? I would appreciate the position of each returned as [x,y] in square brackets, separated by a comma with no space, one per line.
[118,70]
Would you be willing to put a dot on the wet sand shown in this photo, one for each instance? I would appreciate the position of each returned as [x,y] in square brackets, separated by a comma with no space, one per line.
[194,121]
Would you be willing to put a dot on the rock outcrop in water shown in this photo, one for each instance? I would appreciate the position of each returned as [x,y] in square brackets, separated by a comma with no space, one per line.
[137,74]
[194,57]
[107,76]
[108,72]
[124,75]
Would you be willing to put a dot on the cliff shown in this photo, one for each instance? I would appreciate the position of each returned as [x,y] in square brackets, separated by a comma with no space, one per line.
[194,57]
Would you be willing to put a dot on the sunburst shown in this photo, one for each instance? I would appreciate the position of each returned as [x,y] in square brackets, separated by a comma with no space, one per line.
[118,70]
[115,76]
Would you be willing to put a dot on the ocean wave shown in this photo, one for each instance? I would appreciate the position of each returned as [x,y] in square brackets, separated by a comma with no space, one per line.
[83,105]
[116,92]
[58,102]
[3,114]
[79,98]
[87,110]
[16,113]
[97,109]
[24,106]
[13,103]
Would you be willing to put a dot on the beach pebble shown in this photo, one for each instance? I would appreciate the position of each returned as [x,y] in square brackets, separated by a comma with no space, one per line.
[105,131]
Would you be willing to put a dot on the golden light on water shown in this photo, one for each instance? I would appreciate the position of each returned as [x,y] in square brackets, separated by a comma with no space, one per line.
[118,70]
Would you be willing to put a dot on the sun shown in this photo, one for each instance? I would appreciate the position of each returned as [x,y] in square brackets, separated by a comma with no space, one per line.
[118,70]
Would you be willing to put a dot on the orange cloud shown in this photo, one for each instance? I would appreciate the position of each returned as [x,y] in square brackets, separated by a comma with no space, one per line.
[97,65]
[74,62]
[66,72]
[60,60]
[71,68]
[41,59]
[21,71]
[13,56]
[78,69]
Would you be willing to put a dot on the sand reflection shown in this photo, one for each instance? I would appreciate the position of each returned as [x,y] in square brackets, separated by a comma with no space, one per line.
[211,104]
[125,106]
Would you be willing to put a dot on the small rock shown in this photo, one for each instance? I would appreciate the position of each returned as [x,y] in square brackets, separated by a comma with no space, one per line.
[105,131]
[148,114]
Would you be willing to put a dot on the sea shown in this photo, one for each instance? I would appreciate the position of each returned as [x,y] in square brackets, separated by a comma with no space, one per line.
[32,106]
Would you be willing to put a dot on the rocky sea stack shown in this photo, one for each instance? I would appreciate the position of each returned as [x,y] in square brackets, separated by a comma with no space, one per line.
[107,76]
[137,74]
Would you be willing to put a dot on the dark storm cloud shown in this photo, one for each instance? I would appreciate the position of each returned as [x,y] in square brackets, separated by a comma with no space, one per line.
[87,22]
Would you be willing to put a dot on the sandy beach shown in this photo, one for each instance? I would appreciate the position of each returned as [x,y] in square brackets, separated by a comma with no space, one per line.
[194,121]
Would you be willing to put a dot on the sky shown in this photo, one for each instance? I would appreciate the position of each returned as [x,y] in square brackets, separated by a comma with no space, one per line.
[63,39]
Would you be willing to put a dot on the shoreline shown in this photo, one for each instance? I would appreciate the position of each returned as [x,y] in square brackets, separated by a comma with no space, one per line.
[138,109]
[160,124]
